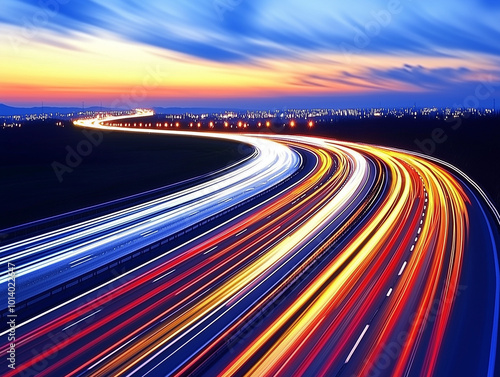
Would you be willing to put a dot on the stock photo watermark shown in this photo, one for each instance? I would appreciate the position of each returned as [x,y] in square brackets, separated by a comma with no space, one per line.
[11,316]
[47,10]
[484,91]
[249,326]
[93,138]
[75,155]
[223,6]
[379,20]
[391,351]
[138,94]
[56,341]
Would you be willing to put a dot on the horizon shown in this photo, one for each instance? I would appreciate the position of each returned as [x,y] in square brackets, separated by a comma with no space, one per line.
[99,107]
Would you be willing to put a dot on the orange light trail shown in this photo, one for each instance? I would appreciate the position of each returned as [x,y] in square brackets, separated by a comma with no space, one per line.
[359,252]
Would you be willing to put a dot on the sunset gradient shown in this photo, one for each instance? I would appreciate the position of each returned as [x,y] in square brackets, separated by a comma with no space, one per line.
[248,53]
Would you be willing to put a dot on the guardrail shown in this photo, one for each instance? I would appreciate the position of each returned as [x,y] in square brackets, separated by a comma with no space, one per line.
[76,286]
[33,228]
[295,279]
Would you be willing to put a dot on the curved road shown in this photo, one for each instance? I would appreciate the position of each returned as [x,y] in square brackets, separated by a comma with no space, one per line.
[368,261]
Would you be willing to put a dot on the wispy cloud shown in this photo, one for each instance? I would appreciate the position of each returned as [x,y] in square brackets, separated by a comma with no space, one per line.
[281,48]
[251,28]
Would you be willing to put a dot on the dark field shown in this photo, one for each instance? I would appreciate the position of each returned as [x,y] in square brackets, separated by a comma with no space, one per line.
[124,164]
[472,145]
[120,165]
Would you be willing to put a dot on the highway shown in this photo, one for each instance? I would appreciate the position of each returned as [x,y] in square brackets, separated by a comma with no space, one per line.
[48,260]
[351,260]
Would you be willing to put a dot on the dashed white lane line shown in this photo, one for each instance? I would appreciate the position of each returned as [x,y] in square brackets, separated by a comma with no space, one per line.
[210,250]
[357,344]
[402,268]
[389,292]
[162,276]
[115,351]
[80,259]
[240,233]
[150,232]
[83,319]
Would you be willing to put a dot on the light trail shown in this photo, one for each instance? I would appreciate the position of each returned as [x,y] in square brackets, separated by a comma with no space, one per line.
[48,257]
[361,252]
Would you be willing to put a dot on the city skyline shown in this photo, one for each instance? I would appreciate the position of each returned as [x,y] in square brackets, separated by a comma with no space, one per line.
[245,54]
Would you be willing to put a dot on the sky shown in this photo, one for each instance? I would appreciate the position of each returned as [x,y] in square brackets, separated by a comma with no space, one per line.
[250,53]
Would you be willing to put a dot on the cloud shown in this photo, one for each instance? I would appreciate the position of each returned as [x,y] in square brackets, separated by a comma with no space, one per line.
[244,30]
[421,77]
[406,78]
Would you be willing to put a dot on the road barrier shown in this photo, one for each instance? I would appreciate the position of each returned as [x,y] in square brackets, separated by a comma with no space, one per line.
[94,278]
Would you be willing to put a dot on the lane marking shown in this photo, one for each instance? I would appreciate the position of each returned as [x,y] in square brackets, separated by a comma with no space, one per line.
[240,233]
[115,351]
[389,292]
[210,250]
[162,276]
[402,268]
[79,259]
[83,319]
[357,344]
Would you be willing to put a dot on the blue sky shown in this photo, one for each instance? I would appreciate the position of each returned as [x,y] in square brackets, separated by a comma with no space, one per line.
[309,49]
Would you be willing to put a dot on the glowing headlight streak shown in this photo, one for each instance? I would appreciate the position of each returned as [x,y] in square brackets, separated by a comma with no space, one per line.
[41,257]
[404,256]
[309,182]
[268,261]
[358,252]
[274,360]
